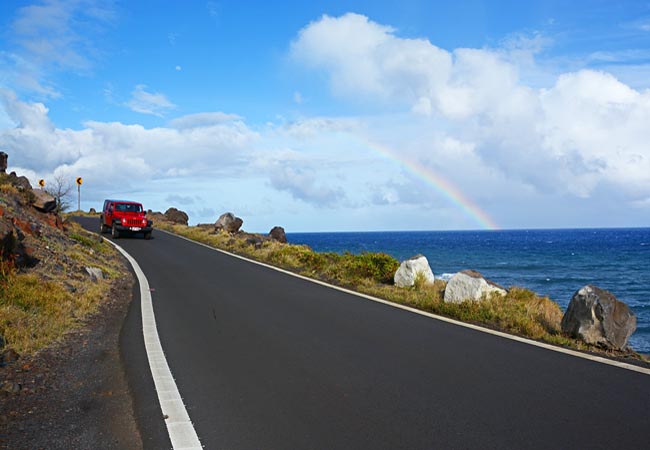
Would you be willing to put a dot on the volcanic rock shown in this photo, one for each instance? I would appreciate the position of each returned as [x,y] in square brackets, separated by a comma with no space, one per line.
[176,216]
[409,270]
[597,317]
[3,162]
[12,248]
[470,285]
[255,241]
[22,183]
[156,216]
[44,201]
[8,356]
[278,234]
[228,222]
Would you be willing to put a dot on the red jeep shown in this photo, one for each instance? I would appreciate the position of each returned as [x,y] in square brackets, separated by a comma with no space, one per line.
[121,216]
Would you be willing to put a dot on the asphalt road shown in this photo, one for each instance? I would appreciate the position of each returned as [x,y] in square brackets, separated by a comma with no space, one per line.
[264,360]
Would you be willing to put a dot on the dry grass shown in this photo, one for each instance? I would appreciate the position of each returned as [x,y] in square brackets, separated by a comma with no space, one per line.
[39,308]
[9,189]
[81,214]
[34,313]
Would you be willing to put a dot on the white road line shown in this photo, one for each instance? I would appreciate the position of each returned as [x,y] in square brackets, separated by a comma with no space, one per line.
[179,426]
[523,340]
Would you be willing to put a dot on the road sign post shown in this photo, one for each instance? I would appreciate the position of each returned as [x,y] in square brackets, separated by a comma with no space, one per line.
[41,183]
[79,183]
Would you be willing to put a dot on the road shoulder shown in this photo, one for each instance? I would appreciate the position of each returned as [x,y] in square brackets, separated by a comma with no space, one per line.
[74,394]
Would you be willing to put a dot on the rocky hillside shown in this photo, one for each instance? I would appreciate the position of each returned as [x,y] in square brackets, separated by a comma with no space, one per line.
[52,273]
[64,294]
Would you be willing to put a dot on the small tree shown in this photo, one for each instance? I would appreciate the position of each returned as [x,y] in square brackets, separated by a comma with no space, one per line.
[60,190]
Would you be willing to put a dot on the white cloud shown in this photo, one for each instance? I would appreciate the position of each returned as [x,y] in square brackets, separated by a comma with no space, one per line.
[303,184]
[152,103]
[584,131]
[178,68]
[110,153]
[362,56]
[309,128]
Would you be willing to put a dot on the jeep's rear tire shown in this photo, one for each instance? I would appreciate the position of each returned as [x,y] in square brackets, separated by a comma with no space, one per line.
[103,228]
[114,232]
[147,235]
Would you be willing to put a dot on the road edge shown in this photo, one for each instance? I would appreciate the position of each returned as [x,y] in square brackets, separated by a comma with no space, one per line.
[179,426]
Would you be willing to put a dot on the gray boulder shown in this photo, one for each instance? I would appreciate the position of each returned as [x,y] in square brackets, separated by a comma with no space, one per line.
[176,216]
[44,201]
[470,285]
[597,317]
[409,270]
[22,183]
[255,241]
[228,222]
[278,234]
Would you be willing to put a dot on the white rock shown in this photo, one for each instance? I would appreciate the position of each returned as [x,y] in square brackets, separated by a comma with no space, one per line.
[470,285]
[408,270]
[95,273]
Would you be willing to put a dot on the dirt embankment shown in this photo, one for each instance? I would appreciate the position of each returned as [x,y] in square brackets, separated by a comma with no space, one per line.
[73,394]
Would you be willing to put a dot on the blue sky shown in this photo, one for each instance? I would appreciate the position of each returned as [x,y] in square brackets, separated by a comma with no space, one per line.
[337,115]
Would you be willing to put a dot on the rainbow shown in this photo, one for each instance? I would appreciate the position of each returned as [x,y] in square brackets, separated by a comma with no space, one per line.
[439,183]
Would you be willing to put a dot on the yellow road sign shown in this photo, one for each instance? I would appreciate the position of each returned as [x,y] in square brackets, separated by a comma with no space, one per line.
[80,181]
[41,183]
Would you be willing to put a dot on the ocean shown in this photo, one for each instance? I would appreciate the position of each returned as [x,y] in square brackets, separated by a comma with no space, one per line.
[555,263]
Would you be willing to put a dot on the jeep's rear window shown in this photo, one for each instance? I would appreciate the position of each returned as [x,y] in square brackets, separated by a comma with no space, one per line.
[128,207]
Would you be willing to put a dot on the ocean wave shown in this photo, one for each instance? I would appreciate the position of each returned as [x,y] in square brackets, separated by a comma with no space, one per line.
[446,276]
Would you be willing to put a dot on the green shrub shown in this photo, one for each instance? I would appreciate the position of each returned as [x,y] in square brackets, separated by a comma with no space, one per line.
[379,267]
